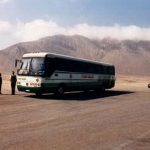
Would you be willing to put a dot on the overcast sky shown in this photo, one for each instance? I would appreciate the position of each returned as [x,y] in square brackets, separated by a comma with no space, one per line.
[25,20]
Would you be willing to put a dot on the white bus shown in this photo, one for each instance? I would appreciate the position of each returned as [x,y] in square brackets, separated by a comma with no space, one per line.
[48,72]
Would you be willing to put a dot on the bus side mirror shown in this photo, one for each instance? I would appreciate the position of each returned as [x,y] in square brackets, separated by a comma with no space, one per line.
[16,62]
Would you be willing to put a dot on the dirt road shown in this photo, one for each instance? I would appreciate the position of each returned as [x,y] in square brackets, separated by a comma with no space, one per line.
[115,120]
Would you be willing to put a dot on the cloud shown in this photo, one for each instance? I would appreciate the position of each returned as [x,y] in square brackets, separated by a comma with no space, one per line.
[37,29]
[5,27]
[117,32]
[5,1]
[11,33]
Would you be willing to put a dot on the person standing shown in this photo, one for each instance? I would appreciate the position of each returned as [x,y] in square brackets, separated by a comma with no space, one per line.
[13,80]
[0,83]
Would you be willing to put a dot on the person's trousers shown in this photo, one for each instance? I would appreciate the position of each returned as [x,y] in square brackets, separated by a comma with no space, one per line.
[0,88]
[13,87]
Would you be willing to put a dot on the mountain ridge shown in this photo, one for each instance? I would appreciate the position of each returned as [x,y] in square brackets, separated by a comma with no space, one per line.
[129,57]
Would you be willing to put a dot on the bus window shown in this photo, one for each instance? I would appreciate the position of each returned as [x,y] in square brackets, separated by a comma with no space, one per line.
[24,69]
[26,64]
[112,70]
[64,64]
[37,66]
[49,66]
[104,69]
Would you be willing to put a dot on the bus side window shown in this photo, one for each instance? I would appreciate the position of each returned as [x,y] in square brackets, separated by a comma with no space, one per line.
[104,70]
[83,67]
[61,64]
[97,69]
[112,70]
[49,66]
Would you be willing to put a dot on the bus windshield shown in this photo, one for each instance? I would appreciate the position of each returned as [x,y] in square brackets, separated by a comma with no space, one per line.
[32,66]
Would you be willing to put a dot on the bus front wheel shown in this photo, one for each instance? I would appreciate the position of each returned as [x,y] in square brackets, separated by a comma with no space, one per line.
[38,94]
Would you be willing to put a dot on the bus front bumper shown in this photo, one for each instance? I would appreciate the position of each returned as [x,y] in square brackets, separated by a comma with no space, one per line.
[29,89]
[41,89]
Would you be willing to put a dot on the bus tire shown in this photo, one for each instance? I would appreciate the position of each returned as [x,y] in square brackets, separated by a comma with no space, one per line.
[102,89]
[38,94]
[86,91]
[60,90]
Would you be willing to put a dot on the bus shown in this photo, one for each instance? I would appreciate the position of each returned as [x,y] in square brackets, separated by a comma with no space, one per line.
[41,73]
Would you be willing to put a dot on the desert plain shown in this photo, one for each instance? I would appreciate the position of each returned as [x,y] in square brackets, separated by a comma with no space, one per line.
[118,119]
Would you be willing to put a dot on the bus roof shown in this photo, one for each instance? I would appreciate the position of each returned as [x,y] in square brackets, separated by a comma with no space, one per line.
[41,54]
[53,55]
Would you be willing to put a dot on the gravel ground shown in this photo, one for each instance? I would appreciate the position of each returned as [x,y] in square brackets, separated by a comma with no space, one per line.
[118,119]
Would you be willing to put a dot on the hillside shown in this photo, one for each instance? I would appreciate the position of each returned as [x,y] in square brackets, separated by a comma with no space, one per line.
[129,57]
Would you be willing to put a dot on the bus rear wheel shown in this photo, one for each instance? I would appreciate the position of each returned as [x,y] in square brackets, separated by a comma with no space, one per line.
[60,90]
[101,89]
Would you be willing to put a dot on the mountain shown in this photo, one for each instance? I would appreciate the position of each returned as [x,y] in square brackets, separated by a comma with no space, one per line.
[129,57]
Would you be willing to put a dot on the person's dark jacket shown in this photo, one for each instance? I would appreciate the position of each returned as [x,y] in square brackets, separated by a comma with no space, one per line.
[13,79]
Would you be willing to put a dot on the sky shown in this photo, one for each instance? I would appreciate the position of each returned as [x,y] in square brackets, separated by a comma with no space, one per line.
[28,20]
